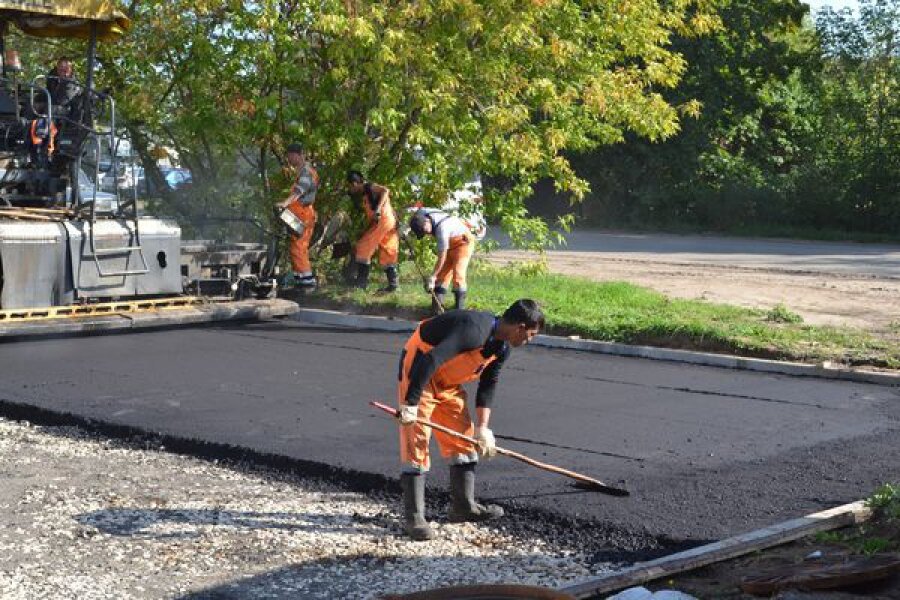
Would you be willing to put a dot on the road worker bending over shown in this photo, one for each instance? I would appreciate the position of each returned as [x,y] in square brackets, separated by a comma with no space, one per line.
[455,246]
[300,202]
[443,353]
[381,233]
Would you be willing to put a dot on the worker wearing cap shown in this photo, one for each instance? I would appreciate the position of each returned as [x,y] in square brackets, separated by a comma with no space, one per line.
[380,234]
[300,202]
[455,246]
[443,353]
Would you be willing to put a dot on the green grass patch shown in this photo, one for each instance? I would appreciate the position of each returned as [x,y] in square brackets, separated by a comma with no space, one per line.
[881,533]
[622,312]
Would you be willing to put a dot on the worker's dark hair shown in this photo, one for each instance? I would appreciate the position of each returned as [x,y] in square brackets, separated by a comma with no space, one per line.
[417,223]
[525,312]
[355,177]
[63,59]
[294,148]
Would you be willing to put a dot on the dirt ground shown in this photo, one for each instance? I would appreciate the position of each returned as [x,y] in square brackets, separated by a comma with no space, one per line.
[866,301]
[723,580]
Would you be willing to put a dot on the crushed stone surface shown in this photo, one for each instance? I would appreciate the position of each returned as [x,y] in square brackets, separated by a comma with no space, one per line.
[85,516]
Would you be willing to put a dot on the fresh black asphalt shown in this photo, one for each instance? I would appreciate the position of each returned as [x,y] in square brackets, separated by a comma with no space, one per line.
[706,452]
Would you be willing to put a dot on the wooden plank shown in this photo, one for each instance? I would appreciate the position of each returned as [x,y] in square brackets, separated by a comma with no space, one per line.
[21,214]
[49,211]
[781,533]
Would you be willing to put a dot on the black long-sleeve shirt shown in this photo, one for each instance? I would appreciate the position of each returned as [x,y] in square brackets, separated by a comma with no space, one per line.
[451,334]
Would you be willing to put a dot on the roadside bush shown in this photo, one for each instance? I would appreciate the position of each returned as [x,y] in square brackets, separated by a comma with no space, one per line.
[782,314]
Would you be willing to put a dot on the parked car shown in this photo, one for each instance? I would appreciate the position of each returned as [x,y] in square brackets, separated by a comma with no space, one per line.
[128,176]
[175,178]
[104,202]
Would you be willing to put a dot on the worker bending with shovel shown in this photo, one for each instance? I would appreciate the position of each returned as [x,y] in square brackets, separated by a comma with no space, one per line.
[443,353]
[455,246]
[380,234]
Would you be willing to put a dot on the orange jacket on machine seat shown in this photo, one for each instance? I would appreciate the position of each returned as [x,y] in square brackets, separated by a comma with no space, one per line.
[444,353]
[42,130]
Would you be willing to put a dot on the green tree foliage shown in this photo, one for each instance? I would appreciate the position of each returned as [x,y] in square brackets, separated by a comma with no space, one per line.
[432,89]
[711,172]
[860,91]
[799,127]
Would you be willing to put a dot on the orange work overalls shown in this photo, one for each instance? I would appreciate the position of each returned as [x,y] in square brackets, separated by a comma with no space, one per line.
[443,401]
[457,264]
[381,236]
[300,243]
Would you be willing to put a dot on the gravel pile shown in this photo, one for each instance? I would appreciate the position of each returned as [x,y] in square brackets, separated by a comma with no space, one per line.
[89,517]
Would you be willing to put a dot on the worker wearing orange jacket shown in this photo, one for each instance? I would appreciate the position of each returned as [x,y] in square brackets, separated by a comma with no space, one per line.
[455,246]
[300,202]
[380,234]
[443,353]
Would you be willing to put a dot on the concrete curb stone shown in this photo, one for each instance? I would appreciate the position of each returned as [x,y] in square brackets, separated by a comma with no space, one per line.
[822,371]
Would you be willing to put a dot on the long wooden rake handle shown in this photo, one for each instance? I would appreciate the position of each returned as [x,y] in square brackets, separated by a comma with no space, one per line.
[412,254]
[584,480]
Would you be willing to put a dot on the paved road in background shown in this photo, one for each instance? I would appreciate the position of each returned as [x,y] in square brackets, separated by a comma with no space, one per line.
[706,452]
[829,257]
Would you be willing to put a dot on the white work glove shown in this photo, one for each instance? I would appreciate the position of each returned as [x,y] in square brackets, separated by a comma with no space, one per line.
[407,414]
[430,283]
[487,445]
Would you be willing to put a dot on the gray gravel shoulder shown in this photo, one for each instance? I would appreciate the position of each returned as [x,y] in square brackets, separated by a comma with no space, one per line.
[90,517]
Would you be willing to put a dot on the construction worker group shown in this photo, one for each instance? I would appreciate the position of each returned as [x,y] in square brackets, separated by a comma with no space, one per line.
[455,241]
[444,353]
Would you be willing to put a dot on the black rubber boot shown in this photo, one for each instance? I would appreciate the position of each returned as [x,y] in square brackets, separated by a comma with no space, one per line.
[437,301]
[393,279]
[414,522]
[362,275]
[460,297]
[462,498]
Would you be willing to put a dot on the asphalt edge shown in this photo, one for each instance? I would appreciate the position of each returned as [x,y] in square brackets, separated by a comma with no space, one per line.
[826,370]
[235,456]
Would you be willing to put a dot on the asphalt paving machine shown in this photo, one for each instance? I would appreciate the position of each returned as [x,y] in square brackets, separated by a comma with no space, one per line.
[61,244]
